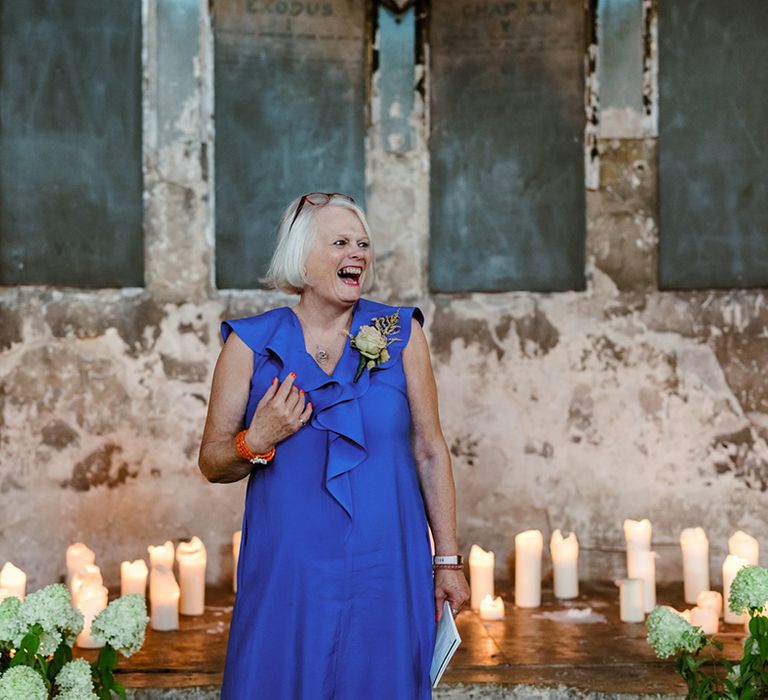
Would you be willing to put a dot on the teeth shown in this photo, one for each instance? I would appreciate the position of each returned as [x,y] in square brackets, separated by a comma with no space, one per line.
[352,270]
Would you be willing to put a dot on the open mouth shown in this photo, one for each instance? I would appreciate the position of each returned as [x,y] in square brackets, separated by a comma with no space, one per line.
[350,275]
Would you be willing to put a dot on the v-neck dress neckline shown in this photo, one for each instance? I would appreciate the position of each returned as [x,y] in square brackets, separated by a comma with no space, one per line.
[303,339]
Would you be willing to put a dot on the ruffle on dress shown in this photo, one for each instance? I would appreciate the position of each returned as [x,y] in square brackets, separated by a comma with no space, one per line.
[335,405]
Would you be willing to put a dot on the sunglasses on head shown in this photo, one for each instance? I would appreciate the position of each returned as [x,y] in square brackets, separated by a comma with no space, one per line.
[317,199]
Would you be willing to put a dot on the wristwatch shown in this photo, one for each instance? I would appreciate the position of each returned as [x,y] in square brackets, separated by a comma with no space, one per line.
[453,559]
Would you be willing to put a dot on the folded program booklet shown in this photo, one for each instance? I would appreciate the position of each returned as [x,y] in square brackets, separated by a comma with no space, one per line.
[447,642]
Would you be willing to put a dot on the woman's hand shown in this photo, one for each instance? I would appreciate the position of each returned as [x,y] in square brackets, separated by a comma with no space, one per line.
[280,413]
[450,585]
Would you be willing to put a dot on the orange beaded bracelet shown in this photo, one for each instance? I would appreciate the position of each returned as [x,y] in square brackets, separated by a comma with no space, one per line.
[246,453]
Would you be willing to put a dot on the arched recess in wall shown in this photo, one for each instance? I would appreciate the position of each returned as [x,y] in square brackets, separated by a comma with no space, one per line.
[507,122]
[290,114]
[70,143]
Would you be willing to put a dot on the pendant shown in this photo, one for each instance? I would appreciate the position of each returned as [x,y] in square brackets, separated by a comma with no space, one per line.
[321,356]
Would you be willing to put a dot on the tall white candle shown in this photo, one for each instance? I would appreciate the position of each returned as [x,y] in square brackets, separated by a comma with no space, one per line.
[161,555]
[164,599]
[14,580]
[642,565]
[481,565]
[90,599]
[236,539]
[637,534]
[528,549]
[133,577]
[695,547]
[491,609]
[745,546]
[89,573]
[712,600]
[78,555]
[631,600]
[706,618]
[731,566]
[565,561]
[192,557]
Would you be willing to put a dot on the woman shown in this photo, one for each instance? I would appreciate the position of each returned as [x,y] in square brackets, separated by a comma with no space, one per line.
[337,597]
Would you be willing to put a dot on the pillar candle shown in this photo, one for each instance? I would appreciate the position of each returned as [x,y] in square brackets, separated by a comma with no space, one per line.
[695,546]
[565,560]
[685,614]
[745,546]
[87,573]
[637,534]
[14,580]
[78,555]
[481,565]
[90,599]
[631,600]
[192,557]
[528,549]
[161,555]
[133,577]
[731,566]
[236,538]
[5,593]
[642,565]
[491,609]
[706,618]
[712,600]
[164,599]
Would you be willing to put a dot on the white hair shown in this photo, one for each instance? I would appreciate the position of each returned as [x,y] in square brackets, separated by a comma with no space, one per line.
[287,271]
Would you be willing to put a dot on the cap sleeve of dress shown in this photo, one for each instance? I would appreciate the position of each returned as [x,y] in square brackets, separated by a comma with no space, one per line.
[254,331]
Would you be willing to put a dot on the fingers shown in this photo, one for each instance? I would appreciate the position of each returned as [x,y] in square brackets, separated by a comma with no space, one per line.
[285,387]
[269,394]
[439,602]
[306,414]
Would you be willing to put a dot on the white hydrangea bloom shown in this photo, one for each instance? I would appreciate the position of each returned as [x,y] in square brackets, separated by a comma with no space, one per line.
[75,677]
[123,623]
[669,633]
[76,695]
[51,608]
[22,682]
[10,621]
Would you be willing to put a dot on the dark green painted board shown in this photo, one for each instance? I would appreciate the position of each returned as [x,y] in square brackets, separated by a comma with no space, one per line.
[506,143]
[290,118]
[70,143]
[713,144]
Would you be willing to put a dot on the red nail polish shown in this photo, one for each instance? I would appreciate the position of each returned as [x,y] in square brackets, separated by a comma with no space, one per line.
[301,391]
[293,374]
[310,404]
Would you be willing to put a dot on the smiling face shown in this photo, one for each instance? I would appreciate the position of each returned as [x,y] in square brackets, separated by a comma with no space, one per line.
[339,257]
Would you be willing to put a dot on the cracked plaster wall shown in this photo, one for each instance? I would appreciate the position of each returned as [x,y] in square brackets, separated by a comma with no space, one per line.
[567,410]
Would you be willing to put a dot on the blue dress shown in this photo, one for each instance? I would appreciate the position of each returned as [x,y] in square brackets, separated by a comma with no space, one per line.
[335,591]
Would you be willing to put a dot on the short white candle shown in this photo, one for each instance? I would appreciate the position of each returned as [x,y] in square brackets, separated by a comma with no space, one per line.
[565,562]
[695,547]
[706,618]
[161,555]
[78,555]
[192,557]
[642,565]
[90,599]
[731,566]
[133,577]
[637,534]
[236,539]
[5,593]
[164,599]
[685,614]
[631,600]
[491,609]
[712,600]
[745,546]
[481,566]
[88,573]
[528,549]
[14,580]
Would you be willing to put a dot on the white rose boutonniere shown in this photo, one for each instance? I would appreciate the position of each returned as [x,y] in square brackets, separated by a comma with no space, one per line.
[372,341]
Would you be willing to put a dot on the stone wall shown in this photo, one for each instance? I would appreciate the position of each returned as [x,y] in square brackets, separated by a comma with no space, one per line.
[571,410]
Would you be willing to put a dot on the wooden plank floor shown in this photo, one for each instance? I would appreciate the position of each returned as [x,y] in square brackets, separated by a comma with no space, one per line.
[524,649]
